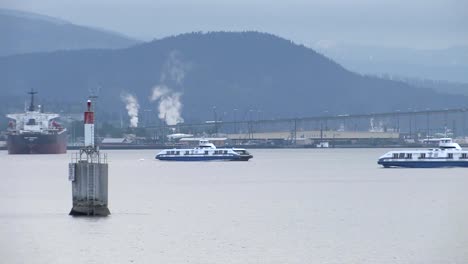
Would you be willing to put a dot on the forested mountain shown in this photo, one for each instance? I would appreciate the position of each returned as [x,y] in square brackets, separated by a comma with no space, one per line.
[227,70]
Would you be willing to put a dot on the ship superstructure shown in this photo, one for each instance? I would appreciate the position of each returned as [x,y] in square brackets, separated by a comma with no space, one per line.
[205,151]
[448,154]
[35,132]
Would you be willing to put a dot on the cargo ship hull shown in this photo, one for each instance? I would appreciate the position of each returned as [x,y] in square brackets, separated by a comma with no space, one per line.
[33,143]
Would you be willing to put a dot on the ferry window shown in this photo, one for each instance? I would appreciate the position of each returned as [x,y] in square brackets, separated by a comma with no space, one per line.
[177,152]
[409,155]
[450,155]
[206,152]
[395,155]
[463,156]
[422,156]
[225,152]
[186,152]
[401,156]
[31,122]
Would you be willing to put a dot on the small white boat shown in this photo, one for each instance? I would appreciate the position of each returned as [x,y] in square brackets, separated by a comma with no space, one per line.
[323,144]
[449,154]
[205,151]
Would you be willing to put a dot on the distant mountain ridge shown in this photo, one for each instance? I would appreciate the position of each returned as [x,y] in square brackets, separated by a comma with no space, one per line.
[29,15]
[24,32]
[247,71]
[449,64]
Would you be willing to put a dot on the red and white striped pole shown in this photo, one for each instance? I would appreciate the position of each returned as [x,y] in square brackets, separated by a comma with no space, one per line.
[89,126]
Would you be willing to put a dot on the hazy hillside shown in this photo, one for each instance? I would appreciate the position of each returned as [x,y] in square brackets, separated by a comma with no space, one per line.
[24,32]
[449,64]
[441,86]
[244,71]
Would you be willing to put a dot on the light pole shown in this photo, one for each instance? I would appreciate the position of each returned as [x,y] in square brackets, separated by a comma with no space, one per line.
[410,125]
[325,113]
[147,117]
[250,125]
[464,123]
[235,120]
[215,120]
[427,123]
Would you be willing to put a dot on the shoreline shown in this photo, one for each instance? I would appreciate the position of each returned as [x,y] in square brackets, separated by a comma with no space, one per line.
[254,146]
[160,147]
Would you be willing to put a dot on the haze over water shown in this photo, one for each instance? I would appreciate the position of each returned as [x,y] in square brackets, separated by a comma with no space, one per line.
[283,206]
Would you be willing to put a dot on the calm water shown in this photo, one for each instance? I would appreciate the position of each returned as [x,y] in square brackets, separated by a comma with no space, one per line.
[284,206]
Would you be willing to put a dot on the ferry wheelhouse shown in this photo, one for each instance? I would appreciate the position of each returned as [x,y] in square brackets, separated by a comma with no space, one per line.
[448,154]
[205,151]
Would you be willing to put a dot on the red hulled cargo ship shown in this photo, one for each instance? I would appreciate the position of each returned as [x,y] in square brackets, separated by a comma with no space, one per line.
[35,132]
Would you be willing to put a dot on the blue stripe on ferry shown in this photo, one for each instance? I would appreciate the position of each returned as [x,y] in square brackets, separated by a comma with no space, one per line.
[423,164]
[196,158]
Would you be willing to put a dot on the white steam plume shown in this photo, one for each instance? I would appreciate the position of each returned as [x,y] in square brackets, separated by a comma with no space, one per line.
[131,103]
[174,69]
[170,106]
[169,100]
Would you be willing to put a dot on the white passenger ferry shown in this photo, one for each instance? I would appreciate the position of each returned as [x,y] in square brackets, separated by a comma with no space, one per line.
[205,151]
[449,154]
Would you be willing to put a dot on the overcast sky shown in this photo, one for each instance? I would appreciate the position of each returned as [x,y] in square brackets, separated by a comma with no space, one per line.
[398,23]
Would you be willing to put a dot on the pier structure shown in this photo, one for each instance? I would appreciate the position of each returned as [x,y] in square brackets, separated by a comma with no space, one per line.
[410,124]
[88,172]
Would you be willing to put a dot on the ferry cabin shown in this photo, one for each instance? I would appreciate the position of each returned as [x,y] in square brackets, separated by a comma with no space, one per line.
[427,154]
[449,154]
[205,151]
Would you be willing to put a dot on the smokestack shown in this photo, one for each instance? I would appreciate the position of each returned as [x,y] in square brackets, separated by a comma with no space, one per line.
[89,126]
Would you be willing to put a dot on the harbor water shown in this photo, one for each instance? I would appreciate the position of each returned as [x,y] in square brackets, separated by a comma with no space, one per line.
[283,206]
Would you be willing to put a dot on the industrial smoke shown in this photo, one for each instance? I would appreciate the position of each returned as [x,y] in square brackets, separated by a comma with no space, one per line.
[132,106]
[169,91]
[169,106]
